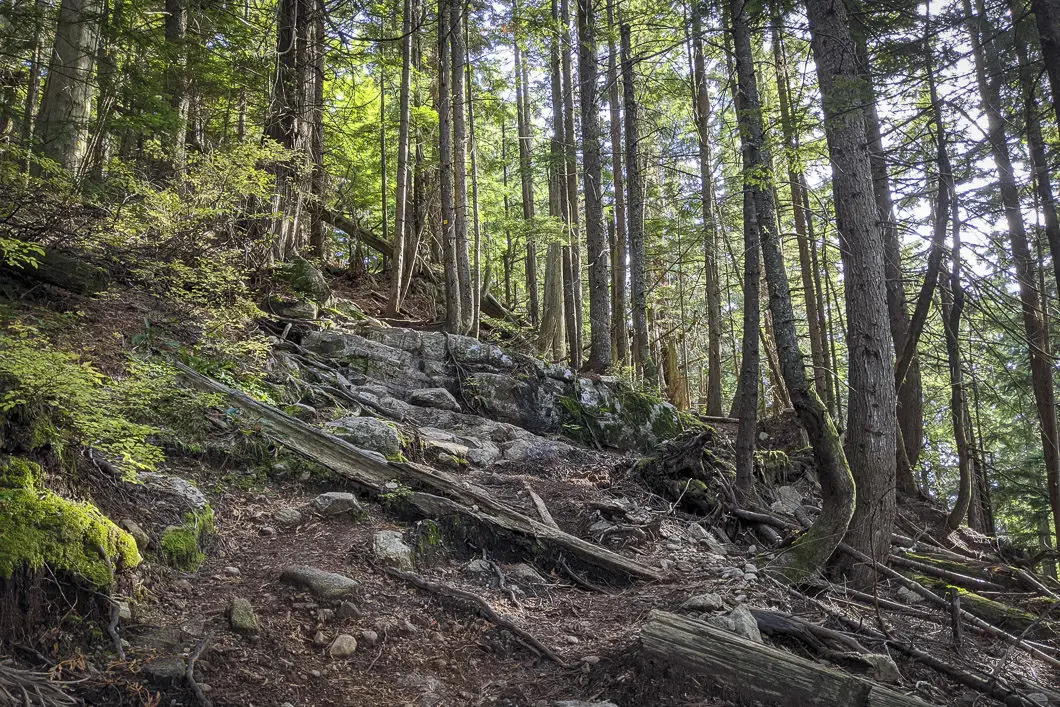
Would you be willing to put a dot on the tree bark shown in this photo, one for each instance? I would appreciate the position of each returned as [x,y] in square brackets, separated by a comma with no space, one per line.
[871,422]
[710,222]
[453,316]
[1047,16]
[635,215]
[526,174]
[551,336]
[987,71]
[397,263]
[66,107]
[592,179]
[176,76]
[463,259]
[619,263]
[570,151]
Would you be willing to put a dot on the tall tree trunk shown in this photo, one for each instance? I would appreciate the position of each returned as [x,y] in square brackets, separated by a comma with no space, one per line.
[36,66]
[592,178]
[871,422]
[557,183]
[710,223]
[818,353]
[570,151]
[476,277]
[463,260]
[176,75]
[282,125]
[526,174]
[910,408]
[619,263]
[66,107]
[401,206]
[317,244]
[453,316]
[551,334]
[1047,16]
[813,548]
[635,215]
[987,72]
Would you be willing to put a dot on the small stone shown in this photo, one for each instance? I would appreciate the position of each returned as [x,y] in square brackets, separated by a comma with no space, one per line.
[573,640]
[908,596]
[525,574]
[348,610]
[740,598]
[884,668]
[698,533]
[582,703]
[434,398]
[368,433]
[750,567]
[591,659]
[320,640]
[124,611]
[167,669]
[232,571]
[335,503]
[287,518]
[326,585]
[267,531]
[704,602]
[389,547]
[286,704]
[479,566]
[790,497]
[143,540]
[183,585]
[750,577]
[343,646]
[369,638]
[315,673]
[325,615]
[241,617]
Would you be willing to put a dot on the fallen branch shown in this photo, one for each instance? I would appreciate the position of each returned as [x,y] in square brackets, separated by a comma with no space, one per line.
[758,671]
[539,504]
[189,672]
[438,491]
[961,580]
[483,608]
[28,687]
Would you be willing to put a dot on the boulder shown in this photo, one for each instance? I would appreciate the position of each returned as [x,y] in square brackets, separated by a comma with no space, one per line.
[291,308]
[186,494]
[143,540]
[389,547]
[287,518]
[708,601]
[368,433]
[744,624]
[326,585]
[434,398]
[306,279]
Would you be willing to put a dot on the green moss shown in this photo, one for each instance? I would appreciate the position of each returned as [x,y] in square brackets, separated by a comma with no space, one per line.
[182,545]
[39,528]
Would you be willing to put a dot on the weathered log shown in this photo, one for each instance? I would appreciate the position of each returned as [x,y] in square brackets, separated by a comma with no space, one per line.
[961,579]
[437,491]
[757,671]
[67,271]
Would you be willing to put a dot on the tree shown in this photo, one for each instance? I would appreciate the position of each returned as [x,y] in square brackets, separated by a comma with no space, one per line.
[401,205]
[871,421]
[453,299]
[463,260]
[66,107]
[619,261]
[592,175]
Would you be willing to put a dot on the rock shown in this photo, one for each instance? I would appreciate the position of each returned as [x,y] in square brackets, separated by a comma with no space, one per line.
[750,567]
[744,624]
[452,449]
[291,308]
[319,639]
[790,498]
[389,547]
[124,611]
[583,703]
[343,646]
[188,494]
[166,669]
[479,566]
[306,279]
[241,617]
[369,638]
[301,411]
[708,601]
[335,503]
[232,572]
[267,531]
[883,667]
[326,585]
[908,596]
[527,575]
[143,540]
[287,518]
[368,433]
[434,398]
[348,610]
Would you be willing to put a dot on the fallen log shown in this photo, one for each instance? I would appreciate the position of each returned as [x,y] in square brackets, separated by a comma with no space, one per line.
[759,672]
[435,491]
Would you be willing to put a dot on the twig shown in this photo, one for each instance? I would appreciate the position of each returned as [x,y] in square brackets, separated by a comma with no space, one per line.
[189,672]
[955,619]
[483,608]
[18,686]
[578,579]
[112,629]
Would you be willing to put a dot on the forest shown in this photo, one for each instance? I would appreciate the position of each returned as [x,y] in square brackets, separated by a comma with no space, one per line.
[531,352]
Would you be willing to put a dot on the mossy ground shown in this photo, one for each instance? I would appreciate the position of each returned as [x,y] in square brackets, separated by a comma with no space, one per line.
[38,528]
[182,545]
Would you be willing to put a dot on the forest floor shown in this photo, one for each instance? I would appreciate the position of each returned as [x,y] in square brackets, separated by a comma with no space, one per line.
[419,647]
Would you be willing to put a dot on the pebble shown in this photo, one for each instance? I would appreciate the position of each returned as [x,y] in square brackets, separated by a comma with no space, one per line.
[740,598]
[124,611]
[325,614]
[232,571]
[751,577]
[267,531]
[349,610]
[241,617]
[320,640]
[750,567]
[369,638]
[315,673]
[573,640]
[343,646]
[704,602]
[287,518]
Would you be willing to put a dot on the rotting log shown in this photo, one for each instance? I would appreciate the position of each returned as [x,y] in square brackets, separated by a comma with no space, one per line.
[757,671]
[434,491]
[66,271]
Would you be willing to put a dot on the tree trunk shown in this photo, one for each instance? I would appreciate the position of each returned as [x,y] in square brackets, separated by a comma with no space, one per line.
[987,71]
[551,337]
[635,215]
[66,107]
[570,151]
[557,183]
[619,262]
[282,125]
[710,223]
[910,409]
[176,76]
[871,422]
[526,174]
[453,316]
[1047,15]
[476,279]
[818,353]
[592,177]
[36,65]
[317,244]
[401,206]
[463,260]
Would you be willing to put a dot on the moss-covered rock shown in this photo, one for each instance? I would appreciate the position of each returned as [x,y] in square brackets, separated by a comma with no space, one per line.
[39,528]
[182,545]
